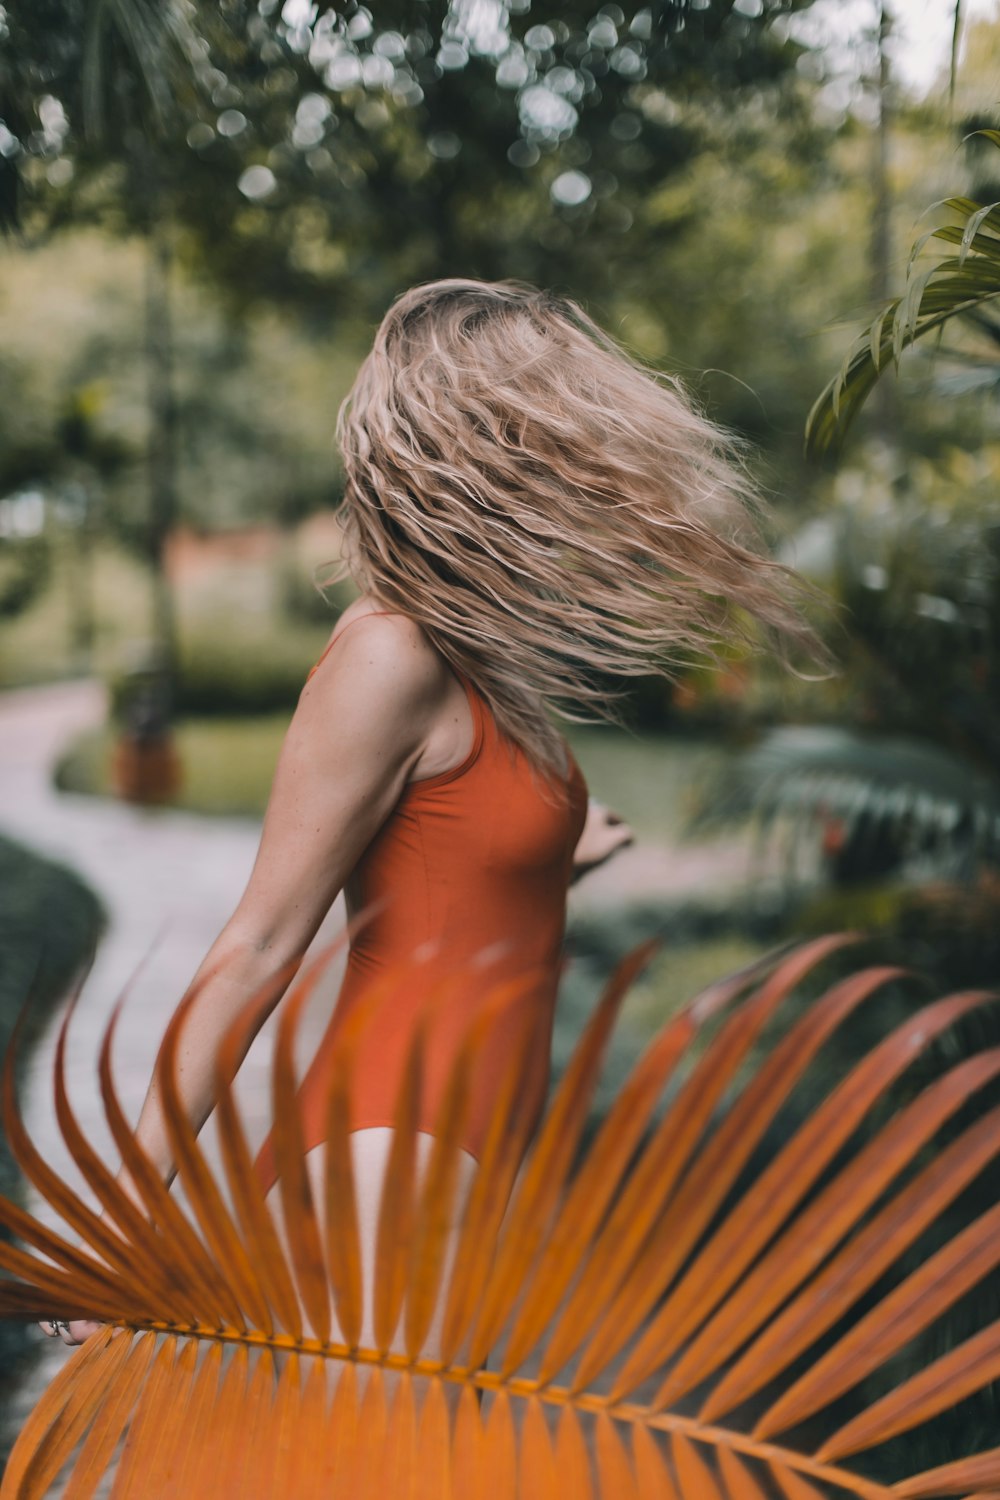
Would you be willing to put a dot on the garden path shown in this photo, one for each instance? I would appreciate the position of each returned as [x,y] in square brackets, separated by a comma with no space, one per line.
[172,878]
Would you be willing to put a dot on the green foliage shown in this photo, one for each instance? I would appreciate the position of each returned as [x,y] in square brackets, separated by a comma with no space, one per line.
[945,931]
[256,396]
[38,644]
[914,786]
[301,600]
[220,678]
[713,238]
[921,581]
[50,923]
[29,445]
[894,801]
[963,285]
[25,570]
[328,161]
[84,765]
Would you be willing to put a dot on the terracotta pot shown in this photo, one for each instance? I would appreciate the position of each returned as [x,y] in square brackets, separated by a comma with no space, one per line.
[146,770]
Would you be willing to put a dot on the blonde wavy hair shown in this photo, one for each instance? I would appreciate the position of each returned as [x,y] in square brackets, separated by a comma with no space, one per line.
[553,513]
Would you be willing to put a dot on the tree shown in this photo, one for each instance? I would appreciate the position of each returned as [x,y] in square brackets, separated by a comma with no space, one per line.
[322,158]
[957,288]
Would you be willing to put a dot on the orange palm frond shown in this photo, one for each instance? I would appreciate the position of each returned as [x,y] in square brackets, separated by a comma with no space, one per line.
[663,1315]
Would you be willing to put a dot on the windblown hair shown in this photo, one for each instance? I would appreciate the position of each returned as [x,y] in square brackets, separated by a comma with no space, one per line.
[554,514]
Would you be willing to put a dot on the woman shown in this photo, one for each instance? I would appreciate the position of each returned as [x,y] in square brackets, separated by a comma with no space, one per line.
[528,513]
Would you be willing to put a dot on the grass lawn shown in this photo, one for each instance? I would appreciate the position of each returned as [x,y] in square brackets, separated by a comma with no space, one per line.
[653,781]
[228,765]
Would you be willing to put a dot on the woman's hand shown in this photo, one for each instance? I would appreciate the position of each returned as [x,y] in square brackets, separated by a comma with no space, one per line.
[78,1330]
[604,833]
[75,1332]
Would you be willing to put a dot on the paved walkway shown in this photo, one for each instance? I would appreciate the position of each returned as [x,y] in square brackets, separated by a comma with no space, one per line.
[173,878]
[167,878]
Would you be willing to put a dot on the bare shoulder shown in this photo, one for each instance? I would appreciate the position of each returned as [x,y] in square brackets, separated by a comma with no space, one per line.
[385,653]
[356,610]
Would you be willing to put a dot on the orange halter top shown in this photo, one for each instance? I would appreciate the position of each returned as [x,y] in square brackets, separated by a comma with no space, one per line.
[472,859]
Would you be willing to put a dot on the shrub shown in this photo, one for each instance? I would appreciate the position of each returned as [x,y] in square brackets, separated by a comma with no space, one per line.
[50,922]
[223,674]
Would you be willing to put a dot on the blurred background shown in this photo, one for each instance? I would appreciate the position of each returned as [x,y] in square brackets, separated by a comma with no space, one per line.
[207,208]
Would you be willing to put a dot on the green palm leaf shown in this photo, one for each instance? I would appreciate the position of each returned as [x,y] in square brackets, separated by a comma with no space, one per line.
[918,792]
[955,285]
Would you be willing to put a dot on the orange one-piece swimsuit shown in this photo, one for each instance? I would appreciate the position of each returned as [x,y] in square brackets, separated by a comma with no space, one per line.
[473,861]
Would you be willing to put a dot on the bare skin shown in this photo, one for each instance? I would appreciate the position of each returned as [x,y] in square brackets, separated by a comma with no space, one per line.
[344,762]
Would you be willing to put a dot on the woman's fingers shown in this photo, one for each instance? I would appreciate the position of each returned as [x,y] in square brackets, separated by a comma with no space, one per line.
[78,1331]
[604,833]
[611,832]
[622,837]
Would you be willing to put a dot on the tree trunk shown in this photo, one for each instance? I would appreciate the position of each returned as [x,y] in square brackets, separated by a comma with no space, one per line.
[162,440]
[80,578]
[884,405]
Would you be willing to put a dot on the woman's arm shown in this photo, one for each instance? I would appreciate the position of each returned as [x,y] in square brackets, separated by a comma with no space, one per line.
[359,727]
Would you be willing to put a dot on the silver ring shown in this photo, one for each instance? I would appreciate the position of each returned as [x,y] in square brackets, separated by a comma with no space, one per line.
[58,1326]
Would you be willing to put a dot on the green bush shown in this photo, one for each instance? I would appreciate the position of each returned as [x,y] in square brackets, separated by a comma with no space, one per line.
[25,570]
[224,675]
[302,601]
[50,924]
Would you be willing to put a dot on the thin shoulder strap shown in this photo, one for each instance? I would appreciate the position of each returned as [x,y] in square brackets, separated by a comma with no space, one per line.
[346,628]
